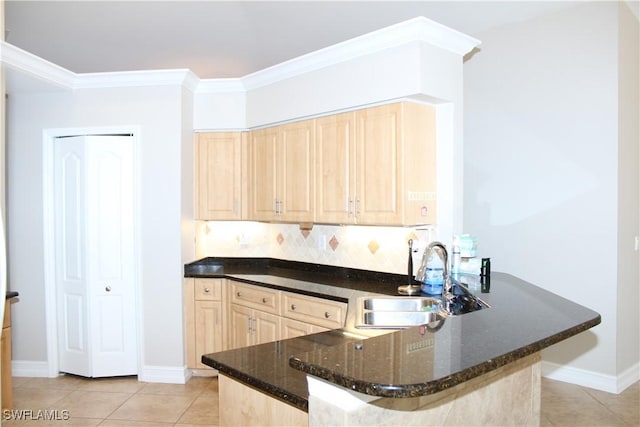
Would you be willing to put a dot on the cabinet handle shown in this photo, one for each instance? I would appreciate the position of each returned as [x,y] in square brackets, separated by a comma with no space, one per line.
[349,205]
[357,207]
[275,206]
[327,315]
[293,307]
[264,300]
[238,294]
[249,325]
[207,290]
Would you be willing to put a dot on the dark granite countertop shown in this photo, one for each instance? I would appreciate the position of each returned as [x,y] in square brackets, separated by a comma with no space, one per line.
[523,319]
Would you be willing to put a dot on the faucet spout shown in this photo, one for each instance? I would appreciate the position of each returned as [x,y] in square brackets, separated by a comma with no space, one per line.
[447,286]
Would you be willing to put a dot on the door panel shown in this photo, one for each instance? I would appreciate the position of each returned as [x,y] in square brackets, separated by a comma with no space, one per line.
[267,327]
[297,169]
[239,327]
[378,162]
[335,163]
[110,229]
[263,145]
[70,239]
[208,316]
[94,255]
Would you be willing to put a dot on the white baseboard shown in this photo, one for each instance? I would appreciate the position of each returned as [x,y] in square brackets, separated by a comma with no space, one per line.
[609,383]
[28,368]
[164,374]
[150,374]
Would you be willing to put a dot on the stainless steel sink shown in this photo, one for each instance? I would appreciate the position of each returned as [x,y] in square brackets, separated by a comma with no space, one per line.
[401,304]
[397,312]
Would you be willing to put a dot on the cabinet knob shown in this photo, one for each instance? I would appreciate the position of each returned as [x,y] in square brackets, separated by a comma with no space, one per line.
[293,306]
[238,294]
[107,288]
[264,300]
[207,290]
[326,315]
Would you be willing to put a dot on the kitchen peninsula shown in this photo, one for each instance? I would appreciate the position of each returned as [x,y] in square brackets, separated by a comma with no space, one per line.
[478,368]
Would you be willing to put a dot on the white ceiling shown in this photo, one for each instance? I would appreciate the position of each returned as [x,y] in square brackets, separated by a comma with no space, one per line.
[218,39]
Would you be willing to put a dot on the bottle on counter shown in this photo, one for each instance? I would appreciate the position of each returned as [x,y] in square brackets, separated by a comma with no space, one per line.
[431,273]
[456,258]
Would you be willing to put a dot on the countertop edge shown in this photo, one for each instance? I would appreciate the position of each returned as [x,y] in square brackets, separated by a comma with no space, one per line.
[299,402]
[438,385]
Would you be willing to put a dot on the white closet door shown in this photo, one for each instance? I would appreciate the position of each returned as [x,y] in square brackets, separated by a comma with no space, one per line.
[94,255]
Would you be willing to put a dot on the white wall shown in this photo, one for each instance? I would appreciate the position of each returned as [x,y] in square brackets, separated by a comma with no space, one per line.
[628,338]
[541,171]
[157,112]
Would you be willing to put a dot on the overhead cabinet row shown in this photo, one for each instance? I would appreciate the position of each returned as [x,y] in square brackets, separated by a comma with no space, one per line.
[373,166]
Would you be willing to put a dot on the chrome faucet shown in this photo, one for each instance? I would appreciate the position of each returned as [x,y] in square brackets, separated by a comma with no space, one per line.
[447,286]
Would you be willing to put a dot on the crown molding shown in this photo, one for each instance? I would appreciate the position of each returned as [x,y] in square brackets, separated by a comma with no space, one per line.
[34,66]
[180,77]
[57,76]
[417,29]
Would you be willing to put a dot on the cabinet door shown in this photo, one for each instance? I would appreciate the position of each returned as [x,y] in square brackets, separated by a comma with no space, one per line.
[218,183]
[208,327]
[335,168]
[263,144]
[266,327]
[239,326]
[293,328]
[379,154]
[296,179]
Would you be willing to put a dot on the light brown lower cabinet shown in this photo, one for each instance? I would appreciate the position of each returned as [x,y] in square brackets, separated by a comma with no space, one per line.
[223,314]
[290,328]
[5,346]
[203,319]
[241,405]
[249,327]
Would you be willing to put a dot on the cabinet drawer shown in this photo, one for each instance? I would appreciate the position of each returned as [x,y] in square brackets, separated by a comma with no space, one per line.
[257,297]
[208,289]
[318,311]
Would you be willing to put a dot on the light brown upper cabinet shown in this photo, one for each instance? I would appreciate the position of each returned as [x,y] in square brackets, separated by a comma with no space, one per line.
[282,173]
[336,168]
[377,166]
[219,176]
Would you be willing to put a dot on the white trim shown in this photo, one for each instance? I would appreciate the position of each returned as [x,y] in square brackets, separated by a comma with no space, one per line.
[136,79]
[48,137]
[35,66]
[609,383]
[220,86]
[28,368]
[164,374]
[416,29]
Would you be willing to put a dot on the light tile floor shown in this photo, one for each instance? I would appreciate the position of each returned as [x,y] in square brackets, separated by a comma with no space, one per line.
[127,402]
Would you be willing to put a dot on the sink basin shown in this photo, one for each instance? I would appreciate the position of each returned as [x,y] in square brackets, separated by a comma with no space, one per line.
[399,319]
[397,312]
[401,304]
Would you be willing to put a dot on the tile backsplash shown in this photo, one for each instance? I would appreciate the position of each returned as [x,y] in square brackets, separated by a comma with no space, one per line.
[355,246]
